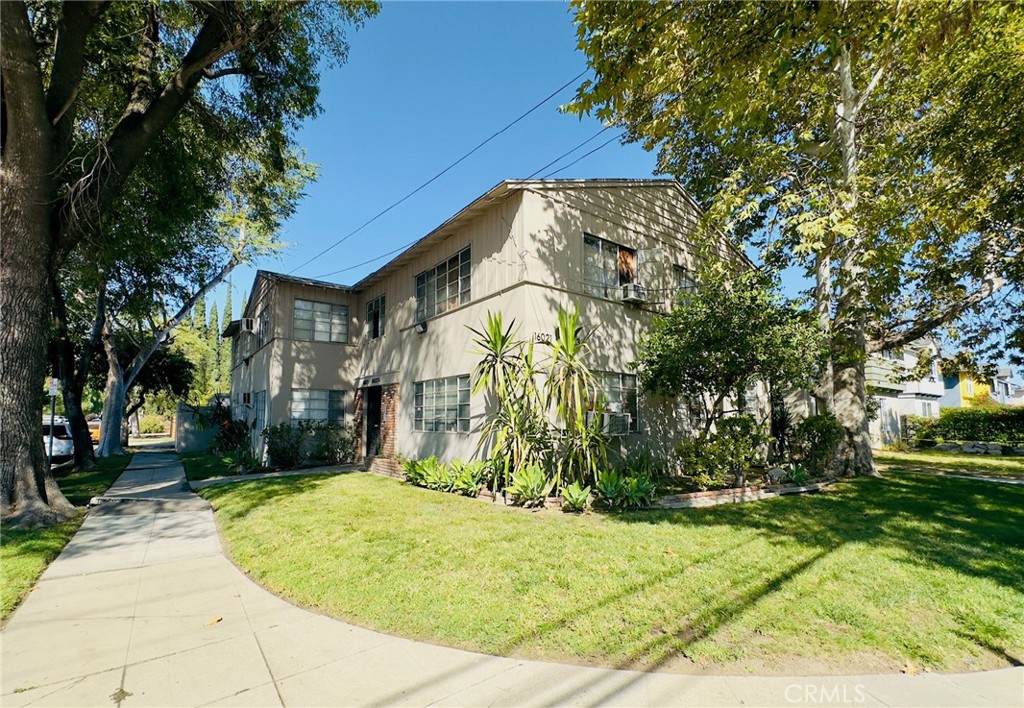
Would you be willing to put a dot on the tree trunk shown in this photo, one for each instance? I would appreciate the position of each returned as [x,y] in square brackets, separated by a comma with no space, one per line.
[29,496]
[825,390]
[113,402]
[73,371]
[85,458]
[849,331]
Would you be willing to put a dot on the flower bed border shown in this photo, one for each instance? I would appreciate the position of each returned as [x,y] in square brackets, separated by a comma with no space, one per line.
[733,495]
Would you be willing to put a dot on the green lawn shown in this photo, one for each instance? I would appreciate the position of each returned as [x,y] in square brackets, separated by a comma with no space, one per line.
[24,555]
[870,576]
[951,462]
[204,465]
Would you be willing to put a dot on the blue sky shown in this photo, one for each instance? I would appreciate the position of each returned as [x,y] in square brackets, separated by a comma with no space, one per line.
[424,83]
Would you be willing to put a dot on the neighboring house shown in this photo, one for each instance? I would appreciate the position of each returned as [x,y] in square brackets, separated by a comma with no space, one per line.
[392,354]
[895,395]
[962,389]
[1017,396]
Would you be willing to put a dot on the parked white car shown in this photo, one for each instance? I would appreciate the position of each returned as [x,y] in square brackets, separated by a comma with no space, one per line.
[63,444]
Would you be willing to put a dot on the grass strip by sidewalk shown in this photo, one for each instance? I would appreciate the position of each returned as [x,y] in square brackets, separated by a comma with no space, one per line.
[875,575]
[952,463]
[24,554]
[205,465]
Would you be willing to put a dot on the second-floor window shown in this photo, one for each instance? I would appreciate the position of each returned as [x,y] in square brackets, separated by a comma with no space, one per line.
[375,317]
[606,267]
[262,327]
[443,287]
[320,321]
[685,281]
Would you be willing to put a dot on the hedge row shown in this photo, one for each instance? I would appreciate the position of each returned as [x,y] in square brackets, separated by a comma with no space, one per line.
[1004,425]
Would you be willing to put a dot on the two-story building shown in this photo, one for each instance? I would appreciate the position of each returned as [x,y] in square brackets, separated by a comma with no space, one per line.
[392,354]
[965,389]
[896,394]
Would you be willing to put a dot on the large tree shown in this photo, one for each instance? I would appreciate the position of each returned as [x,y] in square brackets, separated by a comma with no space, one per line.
[876,145]
[89,88]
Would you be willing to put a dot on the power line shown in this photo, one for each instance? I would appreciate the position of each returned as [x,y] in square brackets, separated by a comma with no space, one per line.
[672,6]
[583,156]
[414,242]
[569,152]
[439,174]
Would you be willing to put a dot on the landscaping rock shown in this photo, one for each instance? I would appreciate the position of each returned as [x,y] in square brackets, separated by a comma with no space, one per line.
[994,449]
[776,475]
[948,447]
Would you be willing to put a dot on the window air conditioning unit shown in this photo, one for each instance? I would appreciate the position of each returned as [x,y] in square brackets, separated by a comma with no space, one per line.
[248,324]
[612,424]
[633,293]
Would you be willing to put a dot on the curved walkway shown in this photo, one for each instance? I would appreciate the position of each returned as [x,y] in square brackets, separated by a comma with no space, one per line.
[143,609]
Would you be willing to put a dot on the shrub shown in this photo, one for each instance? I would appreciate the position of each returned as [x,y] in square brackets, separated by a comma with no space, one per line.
[530,485]
[152,424]
[610,488]
[1004,425]
[637,492]
[284,444]
[617,491]
[467,477]
[799,475]
[914,427]
[575,498]
[815,442]
[724,457]
[435,475]
[413,470]
[332,443]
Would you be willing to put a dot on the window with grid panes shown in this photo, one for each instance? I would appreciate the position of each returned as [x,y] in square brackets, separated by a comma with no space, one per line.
[317,404]
[375,317]
[442,405]
[320,321]
[606,266]
[621,395]
[262,327]
[443,287]
[685,281]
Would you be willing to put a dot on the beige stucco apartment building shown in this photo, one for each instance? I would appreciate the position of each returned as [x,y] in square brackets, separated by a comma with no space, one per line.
[392,354]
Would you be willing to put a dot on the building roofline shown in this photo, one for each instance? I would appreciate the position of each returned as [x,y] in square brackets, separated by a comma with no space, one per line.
[499,191]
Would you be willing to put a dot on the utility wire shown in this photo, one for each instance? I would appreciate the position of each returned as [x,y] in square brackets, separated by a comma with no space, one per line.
[647,26]
[439,174]
[569,152]
[414,242]
[583,156]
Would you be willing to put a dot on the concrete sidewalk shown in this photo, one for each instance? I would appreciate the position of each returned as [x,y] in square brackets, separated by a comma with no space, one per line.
[143,609]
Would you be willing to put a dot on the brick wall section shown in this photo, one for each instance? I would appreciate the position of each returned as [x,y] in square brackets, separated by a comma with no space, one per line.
[389,402]
[357,423]
[386,462]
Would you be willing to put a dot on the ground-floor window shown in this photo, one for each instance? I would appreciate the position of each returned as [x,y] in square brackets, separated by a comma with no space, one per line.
[620,394]
[442,405]
[326,405]
[926,407]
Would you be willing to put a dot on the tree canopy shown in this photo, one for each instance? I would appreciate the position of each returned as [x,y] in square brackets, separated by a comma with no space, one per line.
[111,106]
[724,336]
[876,145]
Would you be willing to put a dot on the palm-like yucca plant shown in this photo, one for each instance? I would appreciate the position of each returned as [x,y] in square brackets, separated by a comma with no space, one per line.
[572,390]
[517,429]
[501,361]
